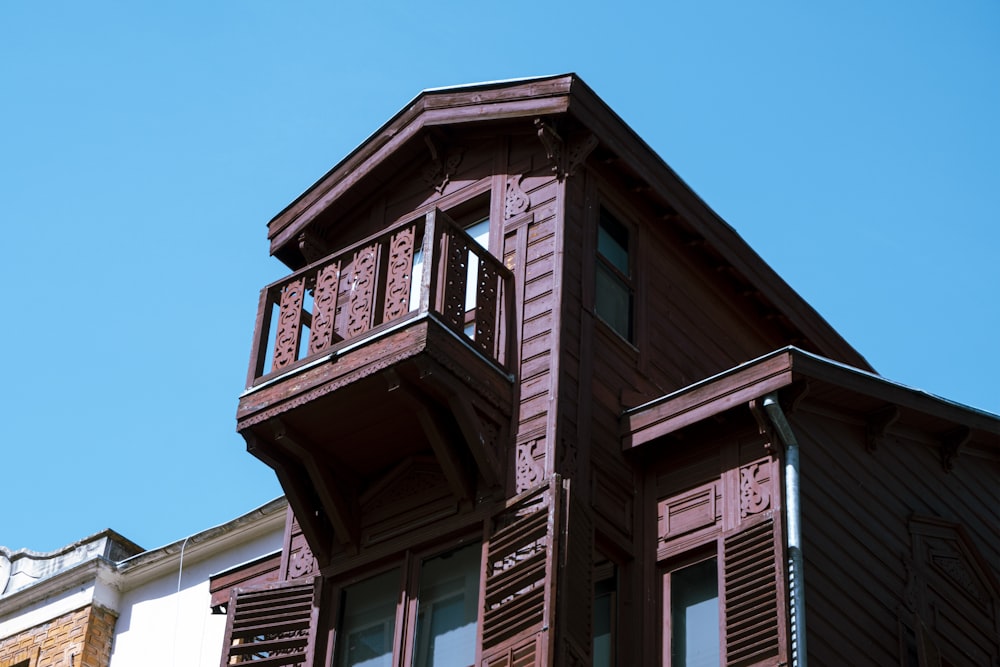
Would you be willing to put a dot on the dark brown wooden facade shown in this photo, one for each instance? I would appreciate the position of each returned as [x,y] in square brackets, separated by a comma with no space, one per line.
[578,399]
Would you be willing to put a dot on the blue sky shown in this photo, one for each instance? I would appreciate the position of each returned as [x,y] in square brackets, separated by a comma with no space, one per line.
[145,146]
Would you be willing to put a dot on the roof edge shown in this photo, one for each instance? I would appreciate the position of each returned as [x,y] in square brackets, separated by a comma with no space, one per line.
[771,372]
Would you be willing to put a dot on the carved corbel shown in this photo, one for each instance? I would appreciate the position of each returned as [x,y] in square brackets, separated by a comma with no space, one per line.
[564,158]
[877,424]
[438,172]
[312,247]
[951,444]
[334,493]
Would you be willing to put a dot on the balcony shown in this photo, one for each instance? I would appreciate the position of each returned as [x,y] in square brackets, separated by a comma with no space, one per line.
[396,348]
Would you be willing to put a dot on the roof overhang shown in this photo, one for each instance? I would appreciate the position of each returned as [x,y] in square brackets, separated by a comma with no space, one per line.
[829,381]
[552,97]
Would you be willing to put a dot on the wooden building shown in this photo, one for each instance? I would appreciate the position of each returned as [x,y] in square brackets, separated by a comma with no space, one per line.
[533,403]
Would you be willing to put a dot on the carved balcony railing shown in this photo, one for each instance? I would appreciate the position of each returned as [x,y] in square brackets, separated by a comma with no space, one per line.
[424,267]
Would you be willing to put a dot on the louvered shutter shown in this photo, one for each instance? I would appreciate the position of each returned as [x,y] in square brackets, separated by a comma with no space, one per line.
[754,612]
[517,580]
[273,625]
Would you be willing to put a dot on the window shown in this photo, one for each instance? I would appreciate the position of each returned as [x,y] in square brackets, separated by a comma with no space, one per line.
[720,557]
[605,614]
[614,298]
[692,593]
[443,632]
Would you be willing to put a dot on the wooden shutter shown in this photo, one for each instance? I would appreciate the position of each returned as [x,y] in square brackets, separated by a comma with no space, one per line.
[273,625]
[518,580]
[754,627]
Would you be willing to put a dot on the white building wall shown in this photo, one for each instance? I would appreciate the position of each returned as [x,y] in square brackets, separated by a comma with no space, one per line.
[166,621]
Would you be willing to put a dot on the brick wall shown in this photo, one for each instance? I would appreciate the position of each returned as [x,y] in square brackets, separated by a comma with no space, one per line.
[81,638]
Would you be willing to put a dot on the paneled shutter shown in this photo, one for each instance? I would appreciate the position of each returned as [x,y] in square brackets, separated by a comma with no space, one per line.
[273,625]
[752,589]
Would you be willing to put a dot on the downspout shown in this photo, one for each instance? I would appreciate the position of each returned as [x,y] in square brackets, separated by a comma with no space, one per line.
[793,529]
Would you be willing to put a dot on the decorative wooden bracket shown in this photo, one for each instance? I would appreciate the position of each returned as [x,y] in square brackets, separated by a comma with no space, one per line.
[877,424]
[292,482]
[515,201]
[951,444]
[564,158]
[438,172]
[312,247]
[448,456]
[328,488]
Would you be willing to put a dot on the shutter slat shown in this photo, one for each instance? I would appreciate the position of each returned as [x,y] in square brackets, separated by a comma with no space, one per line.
[751,592]
[272,626]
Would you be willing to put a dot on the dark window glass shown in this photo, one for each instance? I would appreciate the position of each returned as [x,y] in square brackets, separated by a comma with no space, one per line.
[614,293]
[605,616]
[694,615]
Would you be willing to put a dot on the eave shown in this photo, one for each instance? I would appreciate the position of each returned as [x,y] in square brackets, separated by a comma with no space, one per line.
[852,388]
[519,98]
[567,96]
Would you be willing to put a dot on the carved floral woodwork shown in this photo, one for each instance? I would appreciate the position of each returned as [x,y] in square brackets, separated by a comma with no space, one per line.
[564,159]
[323,334]
[529,467]
[399,275]
[302,563]
[438,172]
[286,341]
[364,287]
[755,488]
[359,313]
[515,201]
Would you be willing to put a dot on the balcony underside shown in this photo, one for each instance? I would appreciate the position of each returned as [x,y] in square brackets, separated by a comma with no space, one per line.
[336,427]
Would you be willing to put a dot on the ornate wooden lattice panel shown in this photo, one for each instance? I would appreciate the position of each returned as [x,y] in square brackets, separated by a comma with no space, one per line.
[751,595]
[272,626]
[363,277]
[456,262]
[325,308]
[487,297]
[286,341]
[400,274]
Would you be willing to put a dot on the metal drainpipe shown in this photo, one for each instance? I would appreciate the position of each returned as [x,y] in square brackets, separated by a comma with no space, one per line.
[793,529]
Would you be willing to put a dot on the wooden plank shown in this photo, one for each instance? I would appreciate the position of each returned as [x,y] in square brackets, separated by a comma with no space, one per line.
[705,399]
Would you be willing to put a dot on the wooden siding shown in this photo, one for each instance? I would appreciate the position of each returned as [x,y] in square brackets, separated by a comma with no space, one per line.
[856,506]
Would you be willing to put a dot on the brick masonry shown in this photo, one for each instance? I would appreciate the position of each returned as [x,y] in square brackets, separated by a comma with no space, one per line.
[81,638]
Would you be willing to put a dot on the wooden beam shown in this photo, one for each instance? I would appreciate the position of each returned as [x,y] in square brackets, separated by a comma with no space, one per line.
[472,430]
[290,476]
[328,488]
[455,471]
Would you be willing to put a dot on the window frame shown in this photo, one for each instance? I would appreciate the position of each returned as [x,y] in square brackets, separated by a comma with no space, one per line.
[710,549]
[626,281]
[409,564]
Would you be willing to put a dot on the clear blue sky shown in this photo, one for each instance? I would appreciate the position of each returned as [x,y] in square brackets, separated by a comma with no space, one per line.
[144,146]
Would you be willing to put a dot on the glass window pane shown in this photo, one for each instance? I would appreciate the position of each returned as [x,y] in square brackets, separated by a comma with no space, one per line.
[367,622]
[613,301]
[447,608]
[694,615]
[612,242]
[605,609]
[480,233]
